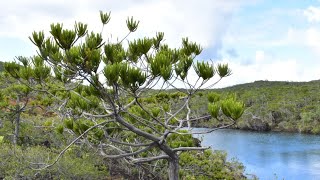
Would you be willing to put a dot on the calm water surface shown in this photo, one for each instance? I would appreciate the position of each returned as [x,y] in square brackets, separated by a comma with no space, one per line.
[270,155]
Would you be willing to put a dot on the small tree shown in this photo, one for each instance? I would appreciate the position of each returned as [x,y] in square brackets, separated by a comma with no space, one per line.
[110,91]
[18,96]
[14,99]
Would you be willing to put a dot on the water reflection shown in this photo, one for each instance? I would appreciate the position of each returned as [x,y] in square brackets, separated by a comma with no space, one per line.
[288,155]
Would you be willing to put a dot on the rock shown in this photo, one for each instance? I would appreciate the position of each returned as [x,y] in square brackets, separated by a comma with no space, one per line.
[197,142]
[257,124]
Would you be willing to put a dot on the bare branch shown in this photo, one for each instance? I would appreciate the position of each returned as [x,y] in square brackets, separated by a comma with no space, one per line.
[97,115]
[149,159]
[136,130]
[178,111]
[188,115]
[198,118]
[213,84]
[206,131]
[190,148]
[129,154]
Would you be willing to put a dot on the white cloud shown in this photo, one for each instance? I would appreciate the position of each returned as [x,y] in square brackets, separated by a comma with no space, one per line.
[307,37]
[277,70]
[264,67]
[312,13]
[260,56]
[202,21]
[205,21]
[313,38]
[175,18]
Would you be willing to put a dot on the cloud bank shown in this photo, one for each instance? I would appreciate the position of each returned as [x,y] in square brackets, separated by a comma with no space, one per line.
[257,39]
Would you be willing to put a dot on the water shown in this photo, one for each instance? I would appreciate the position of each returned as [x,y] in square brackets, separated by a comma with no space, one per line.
[270,156]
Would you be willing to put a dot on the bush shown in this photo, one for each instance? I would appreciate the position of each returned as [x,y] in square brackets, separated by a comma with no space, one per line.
[20,163]
[209,165]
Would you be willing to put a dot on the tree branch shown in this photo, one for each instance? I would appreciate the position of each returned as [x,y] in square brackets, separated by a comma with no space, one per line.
[149,159]
[136,130]
[190,148]
[129,154]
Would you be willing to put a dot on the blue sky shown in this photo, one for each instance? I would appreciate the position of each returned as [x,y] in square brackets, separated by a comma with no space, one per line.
[259,39]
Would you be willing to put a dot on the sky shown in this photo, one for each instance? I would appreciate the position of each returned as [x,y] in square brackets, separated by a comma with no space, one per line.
[259,39]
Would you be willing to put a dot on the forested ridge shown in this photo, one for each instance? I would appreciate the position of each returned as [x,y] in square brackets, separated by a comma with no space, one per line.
[273,106]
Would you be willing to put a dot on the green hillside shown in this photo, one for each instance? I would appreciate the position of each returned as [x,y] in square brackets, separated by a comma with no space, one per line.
[272,105]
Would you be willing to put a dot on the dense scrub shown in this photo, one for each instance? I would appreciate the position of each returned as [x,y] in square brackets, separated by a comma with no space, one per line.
[44,135]
[41,142]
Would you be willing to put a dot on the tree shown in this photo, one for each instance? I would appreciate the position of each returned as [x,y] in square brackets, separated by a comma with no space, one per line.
[14,100]
[18,96]
[109,96]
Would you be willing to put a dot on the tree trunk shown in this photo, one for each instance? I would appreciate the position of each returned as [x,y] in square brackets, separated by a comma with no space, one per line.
[173,170]
[17,122]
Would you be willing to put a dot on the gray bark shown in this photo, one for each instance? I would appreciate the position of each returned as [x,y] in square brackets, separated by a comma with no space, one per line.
[17,122]
[173,171]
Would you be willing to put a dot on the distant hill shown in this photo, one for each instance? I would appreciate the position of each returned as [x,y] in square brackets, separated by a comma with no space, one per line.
[273,105]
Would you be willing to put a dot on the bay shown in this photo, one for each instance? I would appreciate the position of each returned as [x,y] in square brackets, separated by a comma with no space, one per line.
[269,155]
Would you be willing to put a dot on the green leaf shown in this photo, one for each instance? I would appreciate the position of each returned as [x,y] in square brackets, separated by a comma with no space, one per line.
[213,109]
[189,48]
[81,29]
[204,70]
[112,73]
[232,108]
[155,111]
[213,97]
[93,41]
[59,129]
[157,40]
[85,124]
[98,133]
[105,17]
[131,77]
[12,68]
[114,53]
[37,38]
[56,30]
[161,65]
[68,123]
[132,24]
[183,66]
[223,70]
[144,45]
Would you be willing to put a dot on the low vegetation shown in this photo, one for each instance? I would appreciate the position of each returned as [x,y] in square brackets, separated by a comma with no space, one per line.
[41,142]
